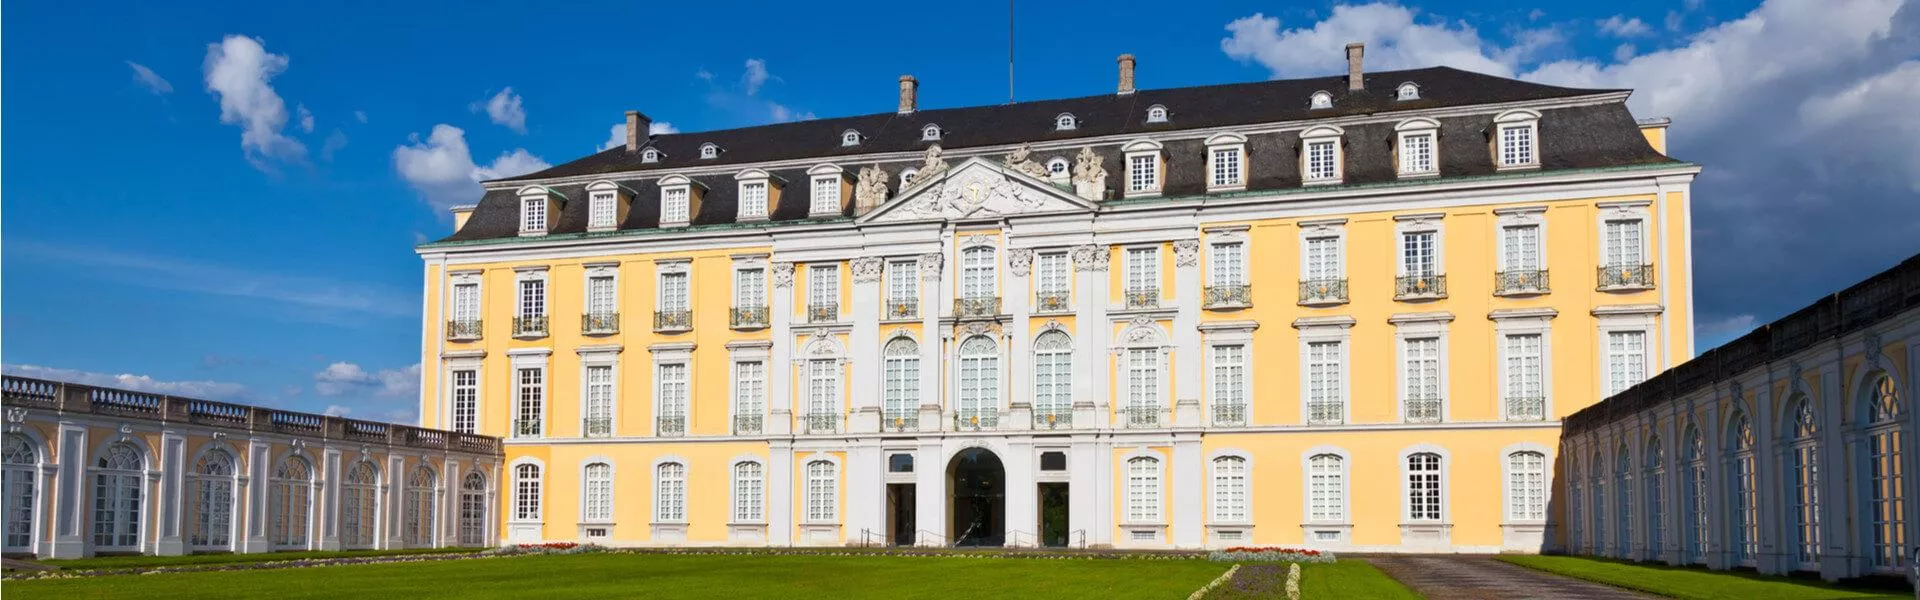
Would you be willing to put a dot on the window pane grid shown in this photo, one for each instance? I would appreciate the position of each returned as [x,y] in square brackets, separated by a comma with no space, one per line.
[1327,489]
[1416,153]
[1423,487]
[1143,173]
[1226,167]
[1321,164]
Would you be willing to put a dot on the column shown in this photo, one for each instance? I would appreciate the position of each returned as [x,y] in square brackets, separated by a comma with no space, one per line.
[780,521]
[1836,525]
[1770,489]
[1186,333]
[69,537]
[1188,485]
[930,494]
[1089,492]
[448,505]
[392,491]
[258,455]
[328,504]
[1718,550]
[1023,493]
[864,347]
[780,364]
[1091,362]
[1016,298]
[173,450]
[1675,497]
[866,493]
[931,266]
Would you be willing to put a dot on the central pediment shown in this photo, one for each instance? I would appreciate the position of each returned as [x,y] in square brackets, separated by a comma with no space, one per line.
[977,189]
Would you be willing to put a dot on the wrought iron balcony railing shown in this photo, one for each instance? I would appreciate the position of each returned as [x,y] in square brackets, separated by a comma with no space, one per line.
[1520,282]
[823,313]
[600,323]
[1331,290]
[747,424]
[1052,418]
[1140,417]
[1228,296]
[1626,277]
[975,419]
[1052,301]
[459,330]
[900,419]
[1526,408]
[1230,414]
[1412,287]
[820,423]
[747,317]
[530,326]
[1423,409]
[1325,413]
[903,308]
[672,320]
[1143,298]
[526,428]
[985,306]
[670,426]
[597,427]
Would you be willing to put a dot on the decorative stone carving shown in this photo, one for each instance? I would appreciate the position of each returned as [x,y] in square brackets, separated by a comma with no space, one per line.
[1021,160]
[870,189]
[930,266]
[931,167]
[866,269]
[972,191]
[976,240]
[979,328]
[15,417]
[1186,253]
[1089,177]
[1795,372]
[783,274]
[1090,257]
[1019,261]
[1871,347]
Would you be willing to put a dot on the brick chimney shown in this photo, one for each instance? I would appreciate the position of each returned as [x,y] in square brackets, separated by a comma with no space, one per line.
[1126,74]
[909,94]
[637,125]
[1355,80]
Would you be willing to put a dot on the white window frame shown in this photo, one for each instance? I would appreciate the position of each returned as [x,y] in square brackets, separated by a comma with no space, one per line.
[536,210]
[1227,259]
[1407,91]
[1318,135]
[1219,339]
[1157,114]
[828,187]
[1343,501]
[529,359]
[749,179]
[747,396]
[850,137]
[1520,322]
[664,301]
[606,271]
[523,307]
[599,357]
[1058,395]
[474,311]
[603,206]
[1320,100]
[1227,509]
[979,271]
[822,508]
[987,372]
[1406,225]
[527,495]
[1417,128]
[1422,326]
[1444,469]
[1144,489]
[930,133]
[670,482]
[1058,168]
[902,280]
[1065,122]
[1140,183]
[1231,146]
[1514,500]
[902,395]
[676,201]
[1326,330]
[1507,219]
[600,513]
[471,366]
[1138,279]
[709,151]
[1620,212]
[666,357]
[1146,340]
[1053,273]
[1334,229]
[1516,120]
[817,293]
[750,295]
[651,155]
[749,502]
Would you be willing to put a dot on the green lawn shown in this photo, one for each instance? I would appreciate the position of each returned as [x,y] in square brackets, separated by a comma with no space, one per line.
[1694,583]
[617,575]
[1344,579]
[128,562]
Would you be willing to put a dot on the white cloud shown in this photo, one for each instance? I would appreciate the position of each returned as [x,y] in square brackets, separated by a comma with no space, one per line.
[238,71]
[306,118]
[335,410]
[302,297]
[154,82]
[343,378]
[207,390]
[335,141]
[1623,52]
[1624,27]
[782,114]
[442,169]
[657,128]
[743,101]
[1394,41]
[504,109]
[360,115]
[754,76]
[617,136]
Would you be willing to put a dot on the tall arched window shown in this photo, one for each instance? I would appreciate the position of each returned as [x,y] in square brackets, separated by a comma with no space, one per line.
[1576,502]
[1526,486]
[1655,461]
[1597,486]
[670,481]
[1623,502]
[1230,490]
[979,382]
[1744,535]
[748,494]
[1886,469]
[1804,476]
[359,505]
[823,481]
[21,477]
[419,515]
[1053,379]
[900,390]
[1424,478]
[1143,490]
[291,503]
[210,501]
[526,492]
[1326,489]
[598,495]
[118,498]
[1696,496]
[976,273]
[473,510]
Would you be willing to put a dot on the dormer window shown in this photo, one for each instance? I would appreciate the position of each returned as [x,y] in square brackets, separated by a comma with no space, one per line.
[1143,168]
[1321,100]
[1057,166]
[906,177]
[603,206]
[850,138]
[1418,146]
[650,155]
[1516,135]
[676,201]
[1065,122]
[535,208]
[1407,91]
[756,193]
[1226,162]
[1320,161]
[828,181]
[709,151]
[1156,114]
[930,133]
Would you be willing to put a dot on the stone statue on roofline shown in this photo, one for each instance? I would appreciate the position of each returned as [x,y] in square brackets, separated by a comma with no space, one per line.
[1089,177]
[870,189]
[1021,160]
[930,168]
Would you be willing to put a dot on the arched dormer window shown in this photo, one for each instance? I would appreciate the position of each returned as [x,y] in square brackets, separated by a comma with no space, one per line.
[1516,139]
[1407,91]
[676,200]
[536,210]
[756,193]
[709,150]
[930,133]
[1418,146]
[850,138]
[1143,168]
[1156,114]
[1057,166]
[1320,100]
[1065,122]
[1226,162]
[605,207]
[651,155]
[1320,161]
[906,177]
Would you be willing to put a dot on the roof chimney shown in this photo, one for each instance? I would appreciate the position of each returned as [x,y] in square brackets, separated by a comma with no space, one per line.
[1355,82]
[637,125]
[1126,74]
[909,94]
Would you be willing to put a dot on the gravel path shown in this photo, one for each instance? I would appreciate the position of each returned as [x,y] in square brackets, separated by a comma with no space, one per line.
[1457,577]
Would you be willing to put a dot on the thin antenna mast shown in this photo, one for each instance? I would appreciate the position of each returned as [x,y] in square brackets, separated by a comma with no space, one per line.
[1009,51]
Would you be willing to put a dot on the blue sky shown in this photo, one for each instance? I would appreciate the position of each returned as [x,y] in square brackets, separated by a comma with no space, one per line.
[221,199]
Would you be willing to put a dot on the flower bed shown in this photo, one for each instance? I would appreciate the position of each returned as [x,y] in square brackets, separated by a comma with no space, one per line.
[546,548]
[1272,554]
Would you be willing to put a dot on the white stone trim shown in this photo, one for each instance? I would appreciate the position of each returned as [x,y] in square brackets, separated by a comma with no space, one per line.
[1321,134]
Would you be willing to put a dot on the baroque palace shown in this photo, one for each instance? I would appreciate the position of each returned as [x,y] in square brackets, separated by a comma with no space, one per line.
[1344,312]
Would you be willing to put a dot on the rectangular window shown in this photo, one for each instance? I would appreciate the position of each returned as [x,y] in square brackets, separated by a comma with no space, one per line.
[529,416]
[533,215]
[599,400]
[526,497]
[753,199]
[1143,384]
[1326,489]
[1226,167]
[1417,256]
[1623,244]
[1326,395]
[466,302]
[1230,490]
[673,292]
[1230,384]
[1626,360]
[1143,173]
[1527,486]
[600,300]
[1143,269]
[1516,145]
[749,288]
[671,479]
[977,278]
[601,210]
[466,400]
[673,205]
[1520,247]
[823,388]
[823,285]
[903,286]
[1416,154]
[823,479]
[533,297]
[1143,491]
[1526,393]
[1051,270]
[1323,259]
[826,196]
[1422,376]
[673,398]
[1423,487]
[1228,264]
[599,493]
[747,483]
[1322,165]
[749,388]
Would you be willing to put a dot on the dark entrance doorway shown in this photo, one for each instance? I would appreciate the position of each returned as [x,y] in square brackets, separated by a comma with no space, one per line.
[1053,514]
[900,525]
[979,508]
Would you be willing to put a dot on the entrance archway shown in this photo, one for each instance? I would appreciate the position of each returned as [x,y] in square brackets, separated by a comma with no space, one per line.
[979,504]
